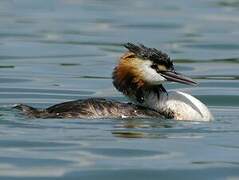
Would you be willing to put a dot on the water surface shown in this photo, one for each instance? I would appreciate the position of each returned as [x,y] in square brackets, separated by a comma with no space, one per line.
[57,50]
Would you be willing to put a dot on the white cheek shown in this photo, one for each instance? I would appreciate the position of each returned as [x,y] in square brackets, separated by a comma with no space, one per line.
[150,75]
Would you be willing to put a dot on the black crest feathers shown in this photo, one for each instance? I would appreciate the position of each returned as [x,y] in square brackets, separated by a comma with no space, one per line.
[152,54]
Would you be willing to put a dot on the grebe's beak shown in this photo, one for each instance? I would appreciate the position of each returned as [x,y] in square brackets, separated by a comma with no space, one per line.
[176,77]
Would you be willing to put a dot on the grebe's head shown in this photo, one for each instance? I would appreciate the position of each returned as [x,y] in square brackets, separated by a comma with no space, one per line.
[144,68]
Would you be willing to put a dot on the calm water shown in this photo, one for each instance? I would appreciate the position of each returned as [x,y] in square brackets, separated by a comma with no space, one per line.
[57,50]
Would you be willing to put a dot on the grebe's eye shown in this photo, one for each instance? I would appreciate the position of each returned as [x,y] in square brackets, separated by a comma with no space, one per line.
[154,66]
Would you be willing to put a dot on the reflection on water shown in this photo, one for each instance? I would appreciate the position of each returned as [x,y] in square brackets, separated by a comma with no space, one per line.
[53,51]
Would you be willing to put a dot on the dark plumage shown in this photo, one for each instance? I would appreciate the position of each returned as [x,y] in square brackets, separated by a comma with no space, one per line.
[143,52]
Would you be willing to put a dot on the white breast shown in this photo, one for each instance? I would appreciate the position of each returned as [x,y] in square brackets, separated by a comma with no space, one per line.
[184,106]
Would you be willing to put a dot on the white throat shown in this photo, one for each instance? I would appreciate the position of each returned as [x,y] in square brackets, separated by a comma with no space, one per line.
[182,105]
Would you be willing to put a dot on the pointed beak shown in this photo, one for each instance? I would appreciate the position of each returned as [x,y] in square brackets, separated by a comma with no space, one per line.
[176,77]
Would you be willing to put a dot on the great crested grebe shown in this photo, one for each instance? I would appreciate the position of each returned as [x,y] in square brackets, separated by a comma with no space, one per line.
[139,75]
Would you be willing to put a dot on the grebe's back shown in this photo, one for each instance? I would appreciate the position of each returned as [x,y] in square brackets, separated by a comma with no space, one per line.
[89,108]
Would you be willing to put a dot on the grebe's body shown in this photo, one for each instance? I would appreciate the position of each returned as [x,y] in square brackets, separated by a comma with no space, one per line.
[139,75]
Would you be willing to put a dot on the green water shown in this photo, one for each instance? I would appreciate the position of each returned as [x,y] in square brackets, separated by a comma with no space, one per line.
[57,50]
